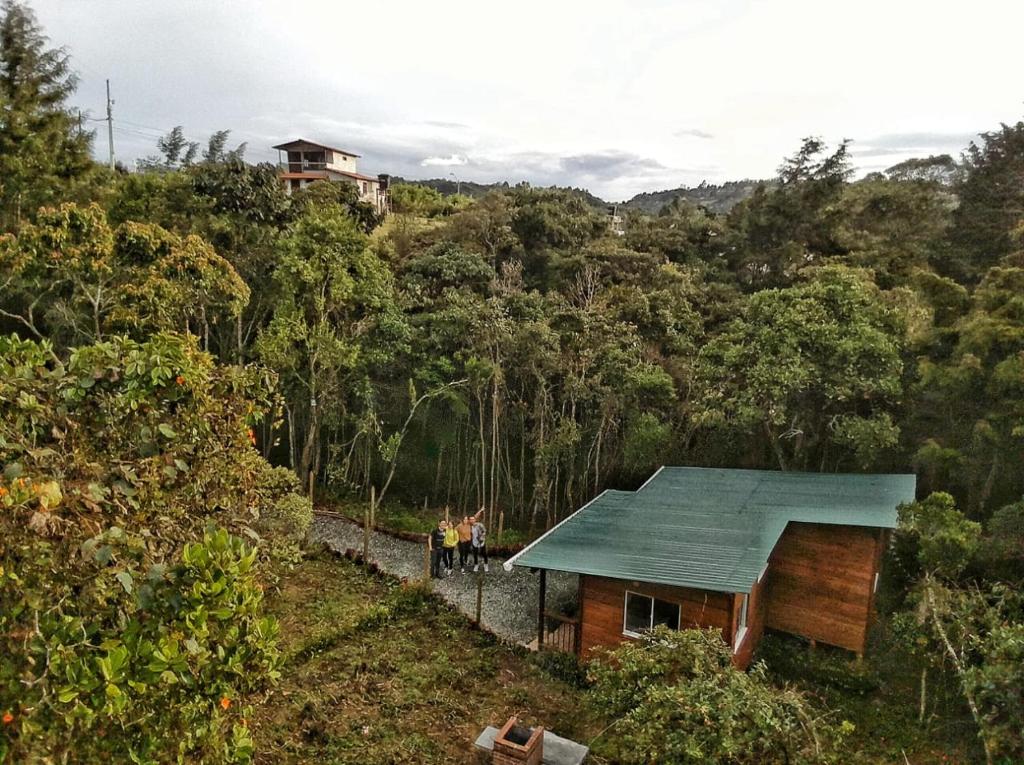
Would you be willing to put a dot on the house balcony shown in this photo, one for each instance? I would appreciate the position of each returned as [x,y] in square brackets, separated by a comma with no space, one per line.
[303,167]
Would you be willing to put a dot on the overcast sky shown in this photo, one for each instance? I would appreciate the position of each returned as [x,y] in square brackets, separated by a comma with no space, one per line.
[616,97]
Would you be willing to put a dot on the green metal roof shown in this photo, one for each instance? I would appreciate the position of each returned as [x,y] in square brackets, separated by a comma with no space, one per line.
[708,528]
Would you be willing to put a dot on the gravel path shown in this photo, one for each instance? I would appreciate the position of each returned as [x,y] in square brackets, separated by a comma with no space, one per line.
[510,597]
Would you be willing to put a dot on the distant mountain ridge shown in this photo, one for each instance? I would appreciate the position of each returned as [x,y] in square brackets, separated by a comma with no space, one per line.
[718,198]
[476,190]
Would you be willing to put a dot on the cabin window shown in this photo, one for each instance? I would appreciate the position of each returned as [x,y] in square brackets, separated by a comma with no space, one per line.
[643,613]
[741,626]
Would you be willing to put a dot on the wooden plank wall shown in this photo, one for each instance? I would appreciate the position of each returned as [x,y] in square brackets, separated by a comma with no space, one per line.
[602,603]
[820,583]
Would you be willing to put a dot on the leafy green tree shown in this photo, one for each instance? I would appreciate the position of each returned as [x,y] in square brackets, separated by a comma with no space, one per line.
[43,151]
[681,232]
[674,696]
[778,231]
[969,394]
[321,194]
[943,540]
[416,199]
[976,630]
[70,277]
[991,194]
[812,371]
[335,321]
[216,149]
[176,152]
[897,229]
[486,225]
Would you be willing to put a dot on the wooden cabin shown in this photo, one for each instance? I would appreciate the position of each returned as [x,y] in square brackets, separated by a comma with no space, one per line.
[736,550]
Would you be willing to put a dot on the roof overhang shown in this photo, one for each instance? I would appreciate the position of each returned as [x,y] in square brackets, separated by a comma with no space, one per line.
[298,143]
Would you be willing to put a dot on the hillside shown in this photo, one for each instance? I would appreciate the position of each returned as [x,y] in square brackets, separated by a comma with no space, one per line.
[477,190]
[717,198]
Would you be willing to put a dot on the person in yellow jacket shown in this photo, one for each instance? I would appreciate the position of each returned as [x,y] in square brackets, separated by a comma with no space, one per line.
[451,540]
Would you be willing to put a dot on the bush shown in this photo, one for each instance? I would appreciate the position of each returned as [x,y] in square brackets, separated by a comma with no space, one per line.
[129,606]
[562,666]
[676,697]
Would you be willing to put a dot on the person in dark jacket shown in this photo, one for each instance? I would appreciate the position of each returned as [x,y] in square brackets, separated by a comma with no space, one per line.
[436,542]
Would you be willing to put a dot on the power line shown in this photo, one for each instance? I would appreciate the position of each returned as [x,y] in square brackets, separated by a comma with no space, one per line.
[162,131]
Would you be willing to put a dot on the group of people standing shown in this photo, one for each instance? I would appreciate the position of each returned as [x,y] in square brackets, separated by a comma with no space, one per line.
[469,536]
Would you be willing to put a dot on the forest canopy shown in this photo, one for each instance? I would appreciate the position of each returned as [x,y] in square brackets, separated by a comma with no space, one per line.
[187,352]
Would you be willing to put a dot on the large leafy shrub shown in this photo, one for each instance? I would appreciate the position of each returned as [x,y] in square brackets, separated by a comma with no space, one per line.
[130,608]
[676,697]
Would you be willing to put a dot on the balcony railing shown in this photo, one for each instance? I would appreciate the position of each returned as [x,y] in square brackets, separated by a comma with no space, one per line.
[302,167]
[562,633]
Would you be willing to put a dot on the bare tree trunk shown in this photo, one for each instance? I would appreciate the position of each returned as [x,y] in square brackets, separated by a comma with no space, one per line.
[776,447]
[494,444]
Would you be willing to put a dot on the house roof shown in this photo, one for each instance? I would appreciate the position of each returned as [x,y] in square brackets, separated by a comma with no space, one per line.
[303,142]
[708,528]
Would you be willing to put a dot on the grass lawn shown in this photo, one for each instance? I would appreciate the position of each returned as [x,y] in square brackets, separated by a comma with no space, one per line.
[378,673]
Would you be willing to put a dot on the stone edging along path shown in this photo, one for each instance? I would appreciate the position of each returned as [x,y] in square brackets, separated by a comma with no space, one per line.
[509,603]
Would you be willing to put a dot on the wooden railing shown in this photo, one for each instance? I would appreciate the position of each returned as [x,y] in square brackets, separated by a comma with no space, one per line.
[562,633]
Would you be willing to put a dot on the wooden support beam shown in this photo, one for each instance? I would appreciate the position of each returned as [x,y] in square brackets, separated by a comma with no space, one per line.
[540,610]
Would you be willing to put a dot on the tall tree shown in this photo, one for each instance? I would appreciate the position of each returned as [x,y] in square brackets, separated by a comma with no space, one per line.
[811,372]
[335,320]
[991,201]
[42,146]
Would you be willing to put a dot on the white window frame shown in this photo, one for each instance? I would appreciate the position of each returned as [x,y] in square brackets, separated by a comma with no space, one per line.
[741,630]
[625,612]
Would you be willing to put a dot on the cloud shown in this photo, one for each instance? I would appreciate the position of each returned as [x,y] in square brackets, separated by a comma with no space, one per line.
[907,144]
[442,124]
[609,164]
[453,161]
[692,133]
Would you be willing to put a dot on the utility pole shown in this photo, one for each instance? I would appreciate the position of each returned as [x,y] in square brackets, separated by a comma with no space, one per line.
[110,126]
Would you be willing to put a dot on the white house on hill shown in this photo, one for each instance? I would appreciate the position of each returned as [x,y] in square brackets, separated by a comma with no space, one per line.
[302,162]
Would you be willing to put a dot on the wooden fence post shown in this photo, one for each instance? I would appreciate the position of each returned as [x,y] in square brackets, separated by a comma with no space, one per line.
[479,597]
[501,527]
[366,537]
